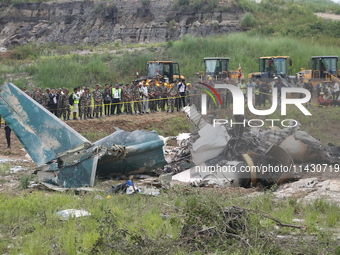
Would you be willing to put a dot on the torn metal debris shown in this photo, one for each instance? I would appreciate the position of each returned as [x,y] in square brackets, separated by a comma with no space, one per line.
[71,213]
[227,156]
[66,158]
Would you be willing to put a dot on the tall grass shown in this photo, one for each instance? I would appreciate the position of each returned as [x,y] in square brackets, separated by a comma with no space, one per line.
[125,224]
[290,19]
[172,127]
[73,70]
[126,64]
[320,5]
[4,169]
[70,71]
[246,49]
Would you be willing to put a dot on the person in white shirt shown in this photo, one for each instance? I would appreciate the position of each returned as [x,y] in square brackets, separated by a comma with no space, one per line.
[81,91]
[181,89]
[145,98]
[76,99]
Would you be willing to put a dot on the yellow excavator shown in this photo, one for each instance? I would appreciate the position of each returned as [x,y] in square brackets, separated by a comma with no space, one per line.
[217,69]
[323,68]
[165,71]
[272,66]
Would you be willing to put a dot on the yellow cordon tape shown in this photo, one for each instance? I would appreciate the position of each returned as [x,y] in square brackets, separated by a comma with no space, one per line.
[156,99]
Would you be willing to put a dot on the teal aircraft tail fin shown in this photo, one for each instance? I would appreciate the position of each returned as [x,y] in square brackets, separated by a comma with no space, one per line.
[43,135]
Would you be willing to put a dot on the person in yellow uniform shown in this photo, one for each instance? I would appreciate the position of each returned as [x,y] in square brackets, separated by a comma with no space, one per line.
[243,87]
[76,99]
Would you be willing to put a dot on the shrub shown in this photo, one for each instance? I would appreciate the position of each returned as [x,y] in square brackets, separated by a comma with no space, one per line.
[169,44]
[247,21]
[182,2]
[28,51]
[172,25]
[25,181]
[145,2]
[197,4]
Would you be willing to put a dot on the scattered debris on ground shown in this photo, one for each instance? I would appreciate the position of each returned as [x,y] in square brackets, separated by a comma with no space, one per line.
[199,154]
[71,213]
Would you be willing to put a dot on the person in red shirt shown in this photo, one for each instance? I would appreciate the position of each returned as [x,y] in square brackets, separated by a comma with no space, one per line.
[322,101]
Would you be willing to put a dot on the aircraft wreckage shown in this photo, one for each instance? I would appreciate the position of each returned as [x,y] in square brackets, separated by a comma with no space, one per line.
[67,159]
[246,156]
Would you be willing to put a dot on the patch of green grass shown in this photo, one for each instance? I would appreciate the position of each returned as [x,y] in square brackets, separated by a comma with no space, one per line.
[21,82]
[322,213]
[25,181]
[290,19]
[93,136]
[28,51]
[4,168]
[134,223]
[5,69]
[172,126]
[2,181]
[197,4]
[70,71]
[320,5]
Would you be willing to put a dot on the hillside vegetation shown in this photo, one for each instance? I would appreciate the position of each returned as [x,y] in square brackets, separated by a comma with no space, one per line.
[273,27]
[275,17]
[50,69]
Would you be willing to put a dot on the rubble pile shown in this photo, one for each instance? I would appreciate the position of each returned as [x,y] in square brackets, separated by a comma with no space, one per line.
[247,156]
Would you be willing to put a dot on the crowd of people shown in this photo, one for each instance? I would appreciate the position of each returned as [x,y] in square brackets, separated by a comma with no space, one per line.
[327,93]
[144,97]
[138,98]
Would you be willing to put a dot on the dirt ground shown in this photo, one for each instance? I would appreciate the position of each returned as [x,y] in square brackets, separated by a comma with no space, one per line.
[16,152]
[102,126]
[126,122]
[6,55]
[94,129]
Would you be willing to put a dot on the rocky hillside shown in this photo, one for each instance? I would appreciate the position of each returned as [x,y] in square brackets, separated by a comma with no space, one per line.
[123,21]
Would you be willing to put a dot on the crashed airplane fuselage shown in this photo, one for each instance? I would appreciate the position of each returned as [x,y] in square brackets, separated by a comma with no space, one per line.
[66,158]
[246,156]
